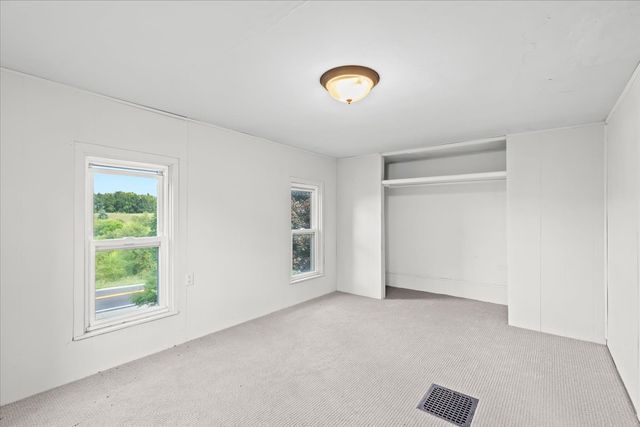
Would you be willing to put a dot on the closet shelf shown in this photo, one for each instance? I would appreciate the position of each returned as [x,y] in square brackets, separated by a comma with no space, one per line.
[445,179]
[455,149]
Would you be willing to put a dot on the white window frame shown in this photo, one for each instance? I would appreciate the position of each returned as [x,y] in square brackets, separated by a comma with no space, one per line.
[316,229]
[85,322]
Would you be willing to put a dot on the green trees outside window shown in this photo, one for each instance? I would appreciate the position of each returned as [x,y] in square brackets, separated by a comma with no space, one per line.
[302,244]
[126,214]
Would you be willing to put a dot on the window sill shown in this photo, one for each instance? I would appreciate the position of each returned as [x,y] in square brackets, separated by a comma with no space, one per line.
[161,314]
[304,278]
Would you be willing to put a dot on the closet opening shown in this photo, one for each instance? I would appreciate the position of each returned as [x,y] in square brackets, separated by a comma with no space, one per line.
[445,220]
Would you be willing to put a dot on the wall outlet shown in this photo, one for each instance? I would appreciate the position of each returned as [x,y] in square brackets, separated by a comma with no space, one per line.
[189,280]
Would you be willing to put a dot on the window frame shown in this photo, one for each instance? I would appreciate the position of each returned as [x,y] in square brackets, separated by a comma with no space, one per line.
[315,188]
[85,322]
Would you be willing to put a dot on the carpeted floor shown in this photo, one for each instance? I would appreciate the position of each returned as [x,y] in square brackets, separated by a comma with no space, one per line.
[348,360]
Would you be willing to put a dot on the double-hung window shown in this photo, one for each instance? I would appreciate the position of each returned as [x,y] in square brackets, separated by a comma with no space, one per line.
[127,237]
[306,230]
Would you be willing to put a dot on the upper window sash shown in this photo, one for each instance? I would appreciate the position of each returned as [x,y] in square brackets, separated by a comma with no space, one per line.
[128,168]
[313,190]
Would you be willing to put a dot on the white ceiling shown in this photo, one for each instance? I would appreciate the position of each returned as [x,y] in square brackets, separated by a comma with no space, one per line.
[450,71]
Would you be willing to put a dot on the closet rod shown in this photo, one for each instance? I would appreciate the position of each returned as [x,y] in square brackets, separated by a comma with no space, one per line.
[446,179]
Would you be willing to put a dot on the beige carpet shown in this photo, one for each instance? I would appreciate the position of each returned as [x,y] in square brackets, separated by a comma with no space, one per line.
[348,360]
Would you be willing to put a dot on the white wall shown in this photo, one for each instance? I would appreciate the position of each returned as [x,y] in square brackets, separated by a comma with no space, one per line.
[448,239]
[555,234]
[240,225]
[623,225]
[234,198]
[360,226]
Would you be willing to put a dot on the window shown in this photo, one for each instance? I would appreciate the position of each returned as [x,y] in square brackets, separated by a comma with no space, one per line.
[306,229]
[127,235]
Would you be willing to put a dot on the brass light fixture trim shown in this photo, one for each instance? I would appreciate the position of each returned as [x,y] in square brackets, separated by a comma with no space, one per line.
[349,83]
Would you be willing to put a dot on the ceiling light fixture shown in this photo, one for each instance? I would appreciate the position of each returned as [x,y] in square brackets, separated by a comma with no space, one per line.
[349,83]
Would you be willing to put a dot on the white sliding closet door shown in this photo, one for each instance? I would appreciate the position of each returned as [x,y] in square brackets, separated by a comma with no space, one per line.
[623,225]
[360,222]
[555,196]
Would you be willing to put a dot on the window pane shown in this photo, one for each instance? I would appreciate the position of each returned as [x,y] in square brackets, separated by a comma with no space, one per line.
[124,205]
[303,248]
[300,209]
[126,281]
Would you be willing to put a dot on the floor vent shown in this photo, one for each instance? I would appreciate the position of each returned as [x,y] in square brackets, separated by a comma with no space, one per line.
[457,408]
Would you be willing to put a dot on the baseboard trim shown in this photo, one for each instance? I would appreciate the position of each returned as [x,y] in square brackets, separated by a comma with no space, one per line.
[488,292]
